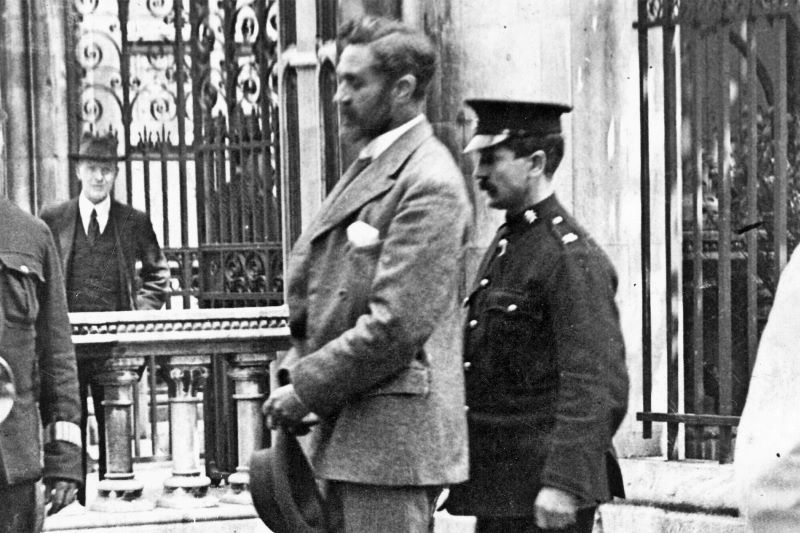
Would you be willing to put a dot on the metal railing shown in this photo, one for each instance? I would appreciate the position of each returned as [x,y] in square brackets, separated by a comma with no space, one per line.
[730,203]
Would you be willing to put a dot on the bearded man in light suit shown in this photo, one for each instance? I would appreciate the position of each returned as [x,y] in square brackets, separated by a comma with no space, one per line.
[370,283]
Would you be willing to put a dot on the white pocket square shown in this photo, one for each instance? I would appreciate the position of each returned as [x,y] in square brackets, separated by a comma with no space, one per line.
[361,234]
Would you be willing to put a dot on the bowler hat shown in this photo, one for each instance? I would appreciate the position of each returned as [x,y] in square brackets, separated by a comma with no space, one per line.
[499,120]
[101,147]
[283,488]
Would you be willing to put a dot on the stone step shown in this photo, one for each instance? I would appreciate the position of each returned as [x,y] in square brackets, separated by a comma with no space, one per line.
[646,511]
[629,517]
[221,518]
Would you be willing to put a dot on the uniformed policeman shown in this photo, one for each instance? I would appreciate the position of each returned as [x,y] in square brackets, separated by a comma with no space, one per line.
[35,340]
[544,359]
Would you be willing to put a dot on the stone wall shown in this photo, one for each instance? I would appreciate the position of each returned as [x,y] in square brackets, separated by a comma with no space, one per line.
[33,94]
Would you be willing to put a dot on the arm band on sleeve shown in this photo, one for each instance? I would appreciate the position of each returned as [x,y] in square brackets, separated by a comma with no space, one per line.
[63,431]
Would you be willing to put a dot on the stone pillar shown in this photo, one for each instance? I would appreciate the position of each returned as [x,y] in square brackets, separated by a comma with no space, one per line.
[15,61]
[298,61]
[119,491]
[187,487]
[34,168]
[49,106]
[250,374]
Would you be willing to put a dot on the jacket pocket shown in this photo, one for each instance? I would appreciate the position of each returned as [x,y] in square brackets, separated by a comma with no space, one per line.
[364,259]
[518,332]
[414,380]
[361,264]
[22,275]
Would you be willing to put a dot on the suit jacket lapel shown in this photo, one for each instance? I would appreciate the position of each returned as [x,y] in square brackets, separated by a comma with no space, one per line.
[66,232]
[119,226]
[373,180]
[315,223]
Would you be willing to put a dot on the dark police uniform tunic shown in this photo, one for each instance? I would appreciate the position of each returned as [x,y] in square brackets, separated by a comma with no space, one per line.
[35,339]
[544,362]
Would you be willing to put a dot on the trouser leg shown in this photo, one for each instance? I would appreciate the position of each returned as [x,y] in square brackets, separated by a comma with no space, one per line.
[87,382]
[18,508]
[98,395]
[360,508]
[83,389]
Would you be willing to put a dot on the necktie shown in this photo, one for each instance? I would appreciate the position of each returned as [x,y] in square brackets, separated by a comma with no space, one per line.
[94,228]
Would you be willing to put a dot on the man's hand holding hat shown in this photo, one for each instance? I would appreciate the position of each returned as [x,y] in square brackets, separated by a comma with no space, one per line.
[284,408]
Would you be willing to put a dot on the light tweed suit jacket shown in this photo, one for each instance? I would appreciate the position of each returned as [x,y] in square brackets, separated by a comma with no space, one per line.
[373,354]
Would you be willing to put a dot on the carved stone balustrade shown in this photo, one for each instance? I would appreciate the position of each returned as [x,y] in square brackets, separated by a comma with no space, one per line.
[184,343]
[187,487]
[119,491]
[251,374]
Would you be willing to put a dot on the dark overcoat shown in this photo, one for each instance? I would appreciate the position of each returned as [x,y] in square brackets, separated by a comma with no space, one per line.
[545,368]
[35,339]
[136,241]
[370,354]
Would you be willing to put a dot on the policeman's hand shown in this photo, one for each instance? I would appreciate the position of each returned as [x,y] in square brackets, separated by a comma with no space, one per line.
[59,493]
[555,509]
[284,408]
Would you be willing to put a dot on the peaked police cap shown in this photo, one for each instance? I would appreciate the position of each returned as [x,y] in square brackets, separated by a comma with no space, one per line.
[500,120]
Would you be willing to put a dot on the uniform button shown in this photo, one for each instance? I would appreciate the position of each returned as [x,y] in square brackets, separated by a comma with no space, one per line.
[558,219]
[511,308]
[465,302]
[24,269]
[467,365]
[484,282]
[568,238]
[473,324]
[466,408]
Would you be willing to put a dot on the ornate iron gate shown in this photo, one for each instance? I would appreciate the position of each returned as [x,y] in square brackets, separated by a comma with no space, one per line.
[731,160]
[189,87]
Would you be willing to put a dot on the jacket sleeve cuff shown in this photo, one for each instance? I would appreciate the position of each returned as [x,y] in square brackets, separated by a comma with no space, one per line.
[62,460]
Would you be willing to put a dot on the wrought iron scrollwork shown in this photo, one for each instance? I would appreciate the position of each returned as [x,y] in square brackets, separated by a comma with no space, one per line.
[713,12]
[190,87]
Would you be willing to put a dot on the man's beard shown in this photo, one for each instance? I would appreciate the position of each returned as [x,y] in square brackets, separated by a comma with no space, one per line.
[380,122]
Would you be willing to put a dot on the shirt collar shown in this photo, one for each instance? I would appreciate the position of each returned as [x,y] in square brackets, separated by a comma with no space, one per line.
[382,142]
[103,209]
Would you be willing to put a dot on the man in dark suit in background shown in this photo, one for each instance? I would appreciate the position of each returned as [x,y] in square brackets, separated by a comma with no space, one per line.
[544,357]
[35,340]
[100,241]
[369,284]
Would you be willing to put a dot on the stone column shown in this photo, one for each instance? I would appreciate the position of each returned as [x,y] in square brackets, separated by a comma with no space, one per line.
[119,491]
[15,57]
[49,106]
[249,372]
[187,487]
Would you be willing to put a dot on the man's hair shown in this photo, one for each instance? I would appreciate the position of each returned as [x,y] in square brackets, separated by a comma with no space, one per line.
[398,49]
[552,145]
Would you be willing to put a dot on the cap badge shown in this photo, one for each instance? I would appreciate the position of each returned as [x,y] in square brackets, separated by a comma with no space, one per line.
[530,216]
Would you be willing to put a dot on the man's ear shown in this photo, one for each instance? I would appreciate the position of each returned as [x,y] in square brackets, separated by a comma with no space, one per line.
[405,86]
[537,161]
